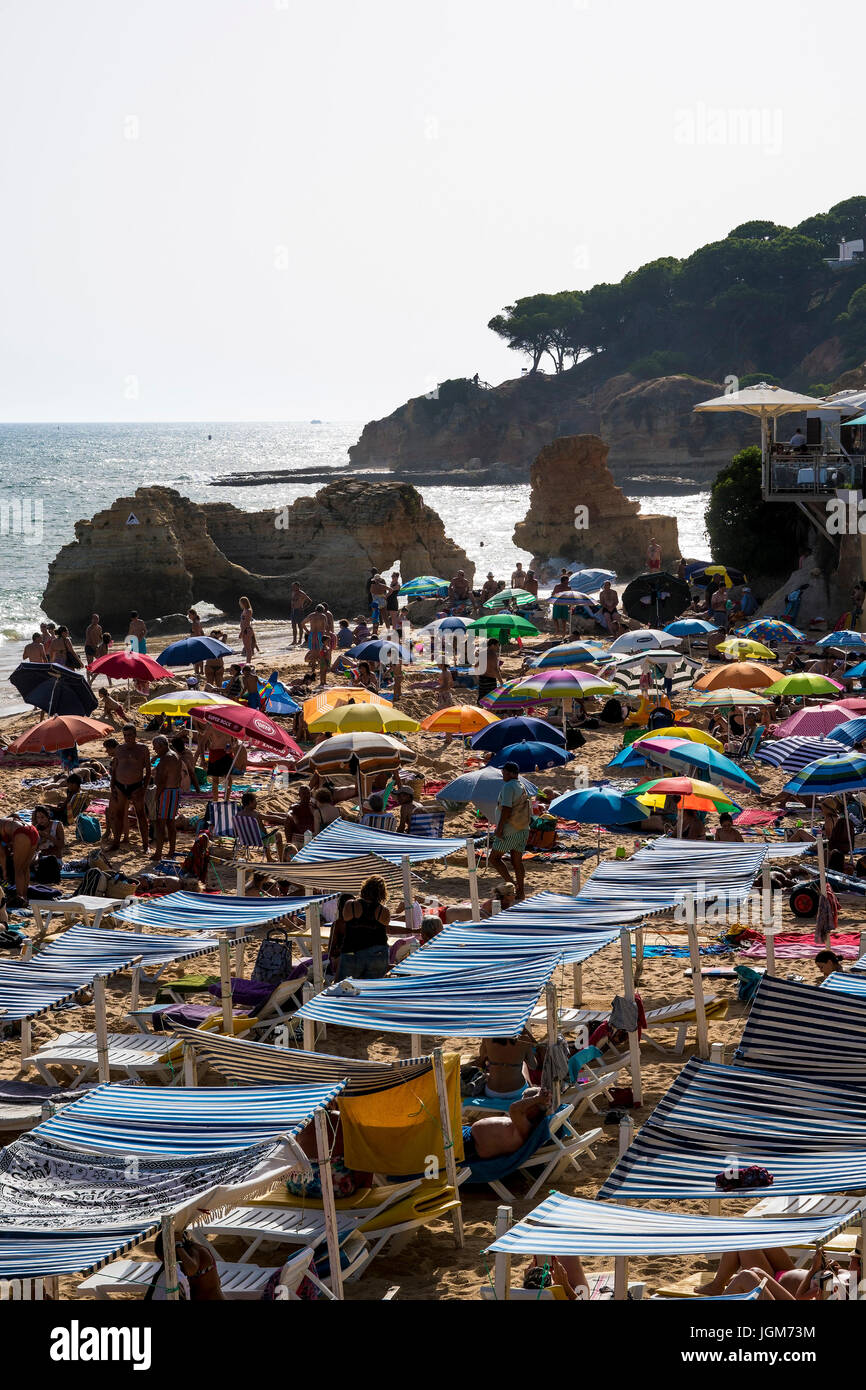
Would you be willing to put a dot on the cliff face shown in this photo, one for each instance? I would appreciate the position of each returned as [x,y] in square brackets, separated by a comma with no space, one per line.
[648,426]
[176,552]
[609,531]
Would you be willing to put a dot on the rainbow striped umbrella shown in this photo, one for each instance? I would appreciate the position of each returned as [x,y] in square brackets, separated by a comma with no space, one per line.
[726,699]
[521,597]
[771,630]
[562,685]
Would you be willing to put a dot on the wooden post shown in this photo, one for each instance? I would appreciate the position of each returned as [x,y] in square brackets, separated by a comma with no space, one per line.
[620,1278]
[448,1142]
[309,1024]
[577,984]
[822,868]
[552,1033]
[473,881]
[863,947]
[104,1070]
[698,986]
[501,1261]
[626,1134]
[226,986]
[314,923]
[406,866]
[190,1077]
[680,820]
[135,989]
[323,1153]
[575,881]
[26,1045]
[416,1047]
[241,882]
[239,952]
[628,993]
[169,1259]
[638,952]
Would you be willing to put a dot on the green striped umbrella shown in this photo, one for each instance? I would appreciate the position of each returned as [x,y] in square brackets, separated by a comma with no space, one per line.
[509,624]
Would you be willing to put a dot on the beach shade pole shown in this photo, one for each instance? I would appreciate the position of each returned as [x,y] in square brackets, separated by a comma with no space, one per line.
[101,1028]
[26,1047]
[501,1261]
[241,881]
[226,985]
[416,1047]
[551,1012]
[822,868]
[406,866]
[169,1257]
[135,989]
[697,978]
[190,1077]
[239,951]
[680,811]
[314,922]
[638,952]
[767,918]
[628,993]
[473,881]
[329,1209]
[577,984]
[495,907]
[575,881]
[448,1143]
[848,828]
[309,1026]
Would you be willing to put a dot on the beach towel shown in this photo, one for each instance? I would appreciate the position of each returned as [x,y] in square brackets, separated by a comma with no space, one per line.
[493,1169]
[397,1131]
[792,946]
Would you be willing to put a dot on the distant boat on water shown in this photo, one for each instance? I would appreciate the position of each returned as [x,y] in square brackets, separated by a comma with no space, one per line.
[315,422]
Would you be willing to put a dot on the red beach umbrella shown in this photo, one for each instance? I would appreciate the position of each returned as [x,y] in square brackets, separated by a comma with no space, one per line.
[128,666]
[250,726]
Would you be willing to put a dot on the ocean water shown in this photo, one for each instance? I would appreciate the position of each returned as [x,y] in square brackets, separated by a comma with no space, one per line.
[54,475]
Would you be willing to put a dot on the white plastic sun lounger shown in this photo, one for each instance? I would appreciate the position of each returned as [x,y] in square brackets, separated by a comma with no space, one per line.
[138,1055]
[238,1281]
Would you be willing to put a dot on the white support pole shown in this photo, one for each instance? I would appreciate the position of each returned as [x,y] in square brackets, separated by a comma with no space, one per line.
[473,881]
[169,1258]
[190,1077]
[103,1069]
[767,917]
[448,1142]
[226,986]
[239,952]
[26,1045]
[323,1154]
[309,1024]
[552,1033]
[241,881]
[717,1053]
[27,953]
[406,866]
[698,985]
[502,1262]
[680,810]
[495,907]
[577,984]
[314,924]
[135,989]
[822,867]
[416,1046]
[626,1134]
[863,942]
[628,993]
[575,881]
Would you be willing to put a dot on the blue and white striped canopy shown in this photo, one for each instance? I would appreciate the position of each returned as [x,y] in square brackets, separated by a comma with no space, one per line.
[805,1030]
[240,1060]
[842,983]
[30,988]
[463,946]
[571,1226]
[798,751]
[479,1003]
[211,912]
[811,1138]
[560,912]
[343,839]
[91,947]
[34,1255]
[656,878]
[186,1123]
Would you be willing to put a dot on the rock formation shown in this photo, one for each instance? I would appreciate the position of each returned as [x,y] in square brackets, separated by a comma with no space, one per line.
[648,425]
[611,532]
[157,552]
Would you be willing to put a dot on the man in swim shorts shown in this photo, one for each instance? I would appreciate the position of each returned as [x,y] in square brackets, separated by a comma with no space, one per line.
[167,774]
[130,774]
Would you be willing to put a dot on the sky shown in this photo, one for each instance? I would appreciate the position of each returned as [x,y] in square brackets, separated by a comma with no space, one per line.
[277,210]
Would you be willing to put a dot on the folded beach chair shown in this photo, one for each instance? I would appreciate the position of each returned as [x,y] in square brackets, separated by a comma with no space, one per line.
[240,1281]
[280,1226]
[248,836]
[140,1056]
[553,1146]
[382,820]
[427,824]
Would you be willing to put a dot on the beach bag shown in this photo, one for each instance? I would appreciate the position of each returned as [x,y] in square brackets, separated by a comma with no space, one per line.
[622,1097]
[542,832]
[119,886]
[274,960]
[93,884]
[46,869]
[747,1178]
[88,829]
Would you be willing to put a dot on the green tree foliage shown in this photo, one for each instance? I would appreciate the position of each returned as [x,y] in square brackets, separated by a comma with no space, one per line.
[762,538]
[762,296]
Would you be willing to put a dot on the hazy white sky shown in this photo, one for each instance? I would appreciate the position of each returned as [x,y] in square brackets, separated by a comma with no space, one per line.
[278,209]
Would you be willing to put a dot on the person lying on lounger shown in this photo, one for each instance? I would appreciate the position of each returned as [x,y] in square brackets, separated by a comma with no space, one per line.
[567,1272]
[741,1270]
[497,1136]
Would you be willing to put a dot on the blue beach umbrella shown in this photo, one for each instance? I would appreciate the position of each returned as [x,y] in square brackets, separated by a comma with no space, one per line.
[53,688]
[521,729]
[598,806]
[589,581]
[569,654]
[481,788]
[857,672]
[690,627]
[192,650]
[843,772]
[530,757]
[716,766]
[851,732]
[844,638]
[771,631]
[425,586]
[379,650]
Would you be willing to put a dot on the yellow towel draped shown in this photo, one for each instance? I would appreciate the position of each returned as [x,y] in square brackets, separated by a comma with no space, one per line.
[398,1131]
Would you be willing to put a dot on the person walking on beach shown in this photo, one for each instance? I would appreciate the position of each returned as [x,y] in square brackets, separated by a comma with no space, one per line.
[130,774]
[167,775]
[247,631]
[298,601]
[196,630]
[653,555]
[62,652]
[92,639]
[560,613]
[35,649]
[137,630]
[512,828]
[378,596]
[490,676]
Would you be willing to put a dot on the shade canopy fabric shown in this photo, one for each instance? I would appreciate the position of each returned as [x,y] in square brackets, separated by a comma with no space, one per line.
[811,1137]
[479,1003]
[343,839]
[87,947]
[247,1063]
[656,878]
[30,1255]
[803,1030]
[33,987]
[211,912]
[841,983]
[763,400]
[797,751]
[467,946]
[340,875]
[572,1226]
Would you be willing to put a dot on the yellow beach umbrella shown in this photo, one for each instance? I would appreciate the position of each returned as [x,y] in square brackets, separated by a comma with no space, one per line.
[739,647]
[178,703]
[458,719]
[686,731]
[363,719]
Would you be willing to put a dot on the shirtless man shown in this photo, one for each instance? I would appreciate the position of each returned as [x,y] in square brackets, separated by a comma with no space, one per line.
[378,595]
[459,590]
[518,577]
[92,639]
[298,601]
[444,686]
[653,555]
[609,603]
[727,832]
[188,780]
[112,709]
[138,629]
[316,628]
[35,649]
[408,808]
[130,774]
[216,748]
[497,1136]
[503,1060]
[167,774]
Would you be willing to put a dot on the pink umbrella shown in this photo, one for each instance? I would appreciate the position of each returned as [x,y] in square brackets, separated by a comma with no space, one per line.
[250,726]
[815,721]
[128,666]
[856,704]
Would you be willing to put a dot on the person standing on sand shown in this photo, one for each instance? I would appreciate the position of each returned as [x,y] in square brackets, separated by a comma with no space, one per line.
[378,597]
[195,630]
[518,577]
[138,630]
[560,612]
[247,633]
[130,774]
[92,639]
[653,555]
[214,667]
[62,652]
[491,676]
[168,777]
[315,628]
[250,686]
[35,650]
[298,601]
[216,751]
[512,829]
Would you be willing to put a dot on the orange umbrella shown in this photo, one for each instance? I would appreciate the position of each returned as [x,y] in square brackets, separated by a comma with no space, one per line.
[61,732]
[458,719]
[739,675]
[342,695]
